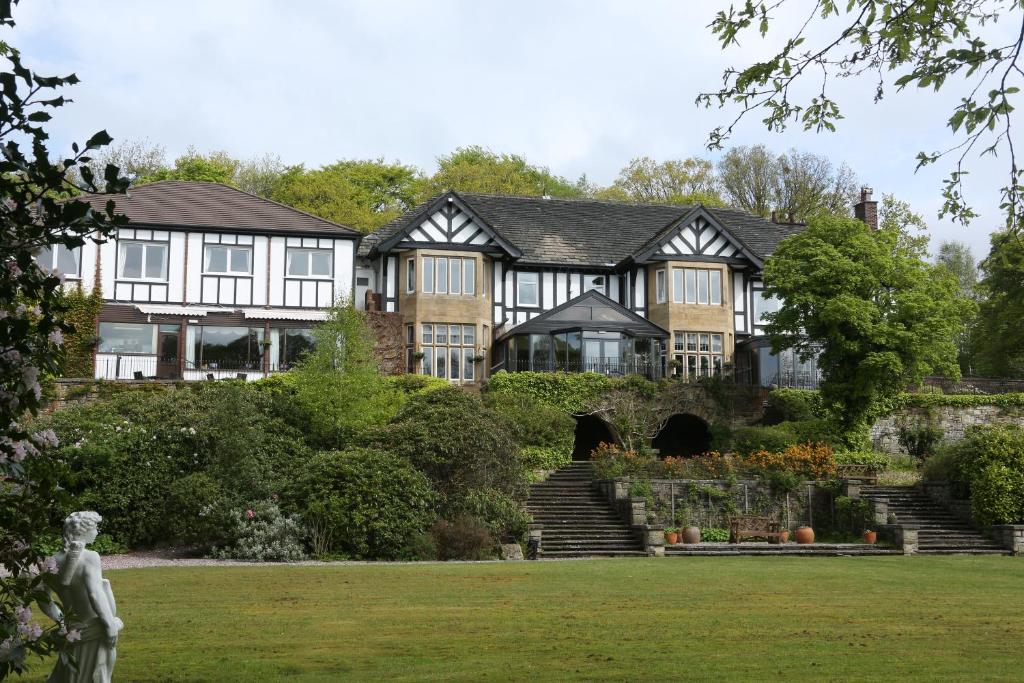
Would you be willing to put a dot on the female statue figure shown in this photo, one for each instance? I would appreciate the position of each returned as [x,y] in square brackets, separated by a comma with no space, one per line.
[92,622]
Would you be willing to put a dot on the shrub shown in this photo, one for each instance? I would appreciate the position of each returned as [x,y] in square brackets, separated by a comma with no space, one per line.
[791,405]
[988,464]
[710,465]
[263,534]
[545,458]
[748,440]
[997,494]
[811,460]
[569,392]
[465,538]
[505,518]
[943,466]
[422,547]
[458,443]
[821,430]
[363,503]
[714,535]
[198,510]
[878,460]
[612,462]
[413,383]
[920,438]
[532,422]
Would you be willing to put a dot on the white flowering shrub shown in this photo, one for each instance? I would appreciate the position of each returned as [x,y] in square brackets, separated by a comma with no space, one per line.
[263,534]
[32,329]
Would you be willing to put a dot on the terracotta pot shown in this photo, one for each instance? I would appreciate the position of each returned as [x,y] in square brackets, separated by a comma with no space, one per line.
[870,537]
[671,537]
[784,536]
[691,535]
[804,535]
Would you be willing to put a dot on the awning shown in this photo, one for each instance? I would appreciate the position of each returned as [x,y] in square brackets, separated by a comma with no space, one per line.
[165,309]
[284,314]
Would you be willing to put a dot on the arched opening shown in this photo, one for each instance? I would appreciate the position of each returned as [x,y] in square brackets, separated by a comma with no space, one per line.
[683,434]
[590,432]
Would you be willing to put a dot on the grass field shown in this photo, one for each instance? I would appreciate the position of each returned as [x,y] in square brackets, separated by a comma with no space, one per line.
[956,618]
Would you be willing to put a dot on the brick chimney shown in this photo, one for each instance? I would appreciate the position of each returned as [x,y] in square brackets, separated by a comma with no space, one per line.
[866,209]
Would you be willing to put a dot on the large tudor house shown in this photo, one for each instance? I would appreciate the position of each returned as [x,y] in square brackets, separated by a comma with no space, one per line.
[208,282]
[485,283]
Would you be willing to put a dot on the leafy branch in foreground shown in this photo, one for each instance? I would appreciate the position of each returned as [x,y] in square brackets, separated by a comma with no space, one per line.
[920,43]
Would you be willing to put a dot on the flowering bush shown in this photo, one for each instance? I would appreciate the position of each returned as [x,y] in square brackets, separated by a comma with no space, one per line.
[816,461]
[612,462]
[263,534]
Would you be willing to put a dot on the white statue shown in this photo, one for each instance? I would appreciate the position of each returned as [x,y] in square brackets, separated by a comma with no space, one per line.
[92,624]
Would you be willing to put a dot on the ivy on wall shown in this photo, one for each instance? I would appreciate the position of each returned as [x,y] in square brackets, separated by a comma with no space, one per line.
[567,391]
[82,312]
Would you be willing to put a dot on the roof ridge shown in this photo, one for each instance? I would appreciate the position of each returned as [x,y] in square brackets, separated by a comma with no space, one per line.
[576,200]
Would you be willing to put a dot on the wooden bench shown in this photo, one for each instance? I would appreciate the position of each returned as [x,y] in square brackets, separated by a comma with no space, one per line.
[866,473]
[752,526]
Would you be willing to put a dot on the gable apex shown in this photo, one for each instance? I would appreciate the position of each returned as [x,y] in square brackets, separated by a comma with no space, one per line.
[698,234]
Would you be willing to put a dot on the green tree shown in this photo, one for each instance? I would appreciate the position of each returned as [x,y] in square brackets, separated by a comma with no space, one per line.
[998,335]
[957,258]
[900,43]
[880,316]
[675,181]
[363,194]
[215,167]
[32,327]
[476,169]
[134,158]
[259,175]
[797,184]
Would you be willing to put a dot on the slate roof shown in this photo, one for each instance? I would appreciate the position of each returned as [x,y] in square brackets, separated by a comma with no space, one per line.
[590,232]
[195,205]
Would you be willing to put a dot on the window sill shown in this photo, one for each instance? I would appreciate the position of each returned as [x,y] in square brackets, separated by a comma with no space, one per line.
[143,280]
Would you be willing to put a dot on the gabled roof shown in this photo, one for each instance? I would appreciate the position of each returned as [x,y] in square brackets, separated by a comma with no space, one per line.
[659,240]
[579,313]
[585,232]
[196,205]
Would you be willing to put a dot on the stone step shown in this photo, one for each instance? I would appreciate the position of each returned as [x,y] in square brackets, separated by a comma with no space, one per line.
[560,554]
[961,551]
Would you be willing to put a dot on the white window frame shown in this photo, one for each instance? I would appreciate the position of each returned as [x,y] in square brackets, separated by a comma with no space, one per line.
[428,268]
[308,252]
[229,248]
[678,276]
[534,281]
[441,279]
[455,276]
[469,277]
[48,260]
[146,246]
[660,286]
[410,275]
[715,293]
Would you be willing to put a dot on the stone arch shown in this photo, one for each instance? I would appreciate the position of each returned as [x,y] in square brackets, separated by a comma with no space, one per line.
[590,431]
[684,434]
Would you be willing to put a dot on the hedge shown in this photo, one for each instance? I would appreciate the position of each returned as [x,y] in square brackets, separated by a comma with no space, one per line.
[570,392]
[788,399]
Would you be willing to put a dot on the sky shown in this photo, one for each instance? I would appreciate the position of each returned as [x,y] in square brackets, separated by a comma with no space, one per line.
[576,86]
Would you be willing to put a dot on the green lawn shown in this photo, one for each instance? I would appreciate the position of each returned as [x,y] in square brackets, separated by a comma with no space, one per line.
[958,618]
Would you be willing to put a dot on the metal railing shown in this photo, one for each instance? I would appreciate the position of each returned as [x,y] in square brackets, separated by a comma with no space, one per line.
[612,367]
[146,367]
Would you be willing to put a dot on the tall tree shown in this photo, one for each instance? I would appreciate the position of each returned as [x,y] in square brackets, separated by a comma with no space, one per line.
[877,313]
[134,158]
[934,44]
[801,184]
[998,336]
[476,169]
[215,167]
[956,257]
[32,329]
[364,194]
[259,175]
[675,181]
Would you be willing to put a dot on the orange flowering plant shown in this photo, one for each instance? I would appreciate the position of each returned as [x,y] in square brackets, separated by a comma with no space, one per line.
[807,459]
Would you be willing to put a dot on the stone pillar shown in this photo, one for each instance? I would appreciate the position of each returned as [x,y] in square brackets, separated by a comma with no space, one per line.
[906,538]
[654,540]
[620,490]
[1011,536]
[881,509]
[851,489]
[637,512]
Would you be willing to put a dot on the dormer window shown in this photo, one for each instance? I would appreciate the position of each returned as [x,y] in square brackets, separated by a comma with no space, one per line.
[593,283]
[312,263]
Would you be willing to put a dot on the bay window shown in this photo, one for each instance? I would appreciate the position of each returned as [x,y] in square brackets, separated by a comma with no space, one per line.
[660,295]
[698,354]
[448,350]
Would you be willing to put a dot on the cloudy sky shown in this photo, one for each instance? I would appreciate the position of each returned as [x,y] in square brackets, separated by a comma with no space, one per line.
[578,86]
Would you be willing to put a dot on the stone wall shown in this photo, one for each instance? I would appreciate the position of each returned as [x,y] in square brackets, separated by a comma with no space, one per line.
[71,392]
[390,348]
[953,420]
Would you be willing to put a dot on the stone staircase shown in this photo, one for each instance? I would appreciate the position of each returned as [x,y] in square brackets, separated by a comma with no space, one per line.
[941,533]
[576,521]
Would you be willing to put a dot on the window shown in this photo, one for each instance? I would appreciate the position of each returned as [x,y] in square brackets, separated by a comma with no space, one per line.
[428,274]
[764,304]
[691,286]
[228,259]
[528,287]
[593,283]
[448,351]
[362,282]
[677,285]
[293,345]
[142,261]
[697,354]
[59,258]
[232,348]
[456,269]
[702,286]
[469,276]
[716,287]
[442,276]
[410,275]
[310,263]
[127,338]
[659,287]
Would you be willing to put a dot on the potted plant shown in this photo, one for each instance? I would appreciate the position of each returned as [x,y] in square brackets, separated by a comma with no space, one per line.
[804,535]
[478,358]
[870,536]
[418,355]
[690,533]
[671,535]
[784,536]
